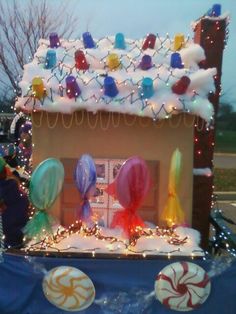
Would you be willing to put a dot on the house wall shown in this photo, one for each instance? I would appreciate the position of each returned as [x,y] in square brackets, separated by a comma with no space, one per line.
[107,135]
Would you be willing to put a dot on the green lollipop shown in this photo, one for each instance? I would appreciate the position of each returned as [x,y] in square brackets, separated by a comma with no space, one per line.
[45,185]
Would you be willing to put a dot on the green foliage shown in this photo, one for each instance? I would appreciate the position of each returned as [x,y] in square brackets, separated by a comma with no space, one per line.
[225,180]
[225,141]
[226,119]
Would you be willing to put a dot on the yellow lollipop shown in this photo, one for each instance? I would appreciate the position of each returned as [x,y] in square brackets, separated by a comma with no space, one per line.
[68,288]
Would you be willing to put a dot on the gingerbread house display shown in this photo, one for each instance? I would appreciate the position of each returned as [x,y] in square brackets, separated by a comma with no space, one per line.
[142,102]
[114,98]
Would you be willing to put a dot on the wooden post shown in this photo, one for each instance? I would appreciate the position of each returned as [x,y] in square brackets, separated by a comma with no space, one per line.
[210,34]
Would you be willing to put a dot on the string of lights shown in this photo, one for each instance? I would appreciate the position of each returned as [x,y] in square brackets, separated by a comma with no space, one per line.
[91,80]
[49,243]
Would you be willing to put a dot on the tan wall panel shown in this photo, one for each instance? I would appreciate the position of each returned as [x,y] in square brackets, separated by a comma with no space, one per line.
[118,136]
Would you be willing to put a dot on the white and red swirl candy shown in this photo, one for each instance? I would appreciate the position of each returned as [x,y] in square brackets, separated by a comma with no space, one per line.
[182,286]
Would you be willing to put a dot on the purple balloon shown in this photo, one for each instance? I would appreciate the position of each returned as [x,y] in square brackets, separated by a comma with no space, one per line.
[85,180]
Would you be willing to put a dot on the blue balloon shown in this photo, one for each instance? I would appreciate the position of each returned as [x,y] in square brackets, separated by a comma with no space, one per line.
[85,178]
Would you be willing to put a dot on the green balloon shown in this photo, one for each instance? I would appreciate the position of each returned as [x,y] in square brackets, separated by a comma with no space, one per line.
[46,183]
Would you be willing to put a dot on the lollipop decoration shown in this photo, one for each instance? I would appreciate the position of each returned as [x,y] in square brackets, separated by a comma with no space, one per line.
[85,179]
[45,185]
[182,286]
[130,187]
[173,213]
[68,288]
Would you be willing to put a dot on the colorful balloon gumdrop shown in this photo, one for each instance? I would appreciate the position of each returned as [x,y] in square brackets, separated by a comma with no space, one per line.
[38,89]
[146,62]
[54,40]
[80,61]
[88,40]
[179,42]
[182,286]
[149,42]
[176,61]
[181,86]
[110,88]
[113,61]
[51,59]
[120,41]
[147,89]
[72,88]
[68,288]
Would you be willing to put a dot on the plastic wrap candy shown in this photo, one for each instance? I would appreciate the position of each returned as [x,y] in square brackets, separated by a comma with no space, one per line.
[120,41]
[113,61]
[38,88]
[178,42]
[72,87]
[88,40]
[147,89]
[54,40]
[51,59]
[215,11]
[45,185]
[85,179]
[110,88]
[68,288]
[146,62]
[130,187]
[176,61]
[149,42]
[181,86]
[80,61]
[182,286]
[173,213]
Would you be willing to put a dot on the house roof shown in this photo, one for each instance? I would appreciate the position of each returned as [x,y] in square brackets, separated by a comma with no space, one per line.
[128,78]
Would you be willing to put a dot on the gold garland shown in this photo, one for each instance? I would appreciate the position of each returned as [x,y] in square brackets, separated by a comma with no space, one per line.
[144,125]
[198,122]
[70,123]
[55,123]
[191,124]
[158,124]
[128,123]
[89,123]
[108,121]
[82,117]
[113,114]
[40,119]
[177,124]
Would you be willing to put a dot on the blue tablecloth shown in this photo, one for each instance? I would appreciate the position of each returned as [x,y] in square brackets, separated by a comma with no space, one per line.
[126,282]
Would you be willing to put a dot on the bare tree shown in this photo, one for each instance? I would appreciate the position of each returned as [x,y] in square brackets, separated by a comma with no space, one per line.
[21,26]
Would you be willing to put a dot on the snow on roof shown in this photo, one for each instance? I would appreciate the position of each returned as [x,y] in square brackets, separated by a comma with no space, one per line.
[128,77]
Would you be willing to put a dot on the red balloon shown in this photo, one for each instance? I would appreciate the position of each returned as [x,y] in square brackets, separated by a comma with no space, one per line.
[130,188]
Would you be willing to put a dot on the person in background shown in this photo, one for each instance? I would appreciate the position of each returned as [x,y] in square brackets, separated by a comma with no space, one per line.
[14,207]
